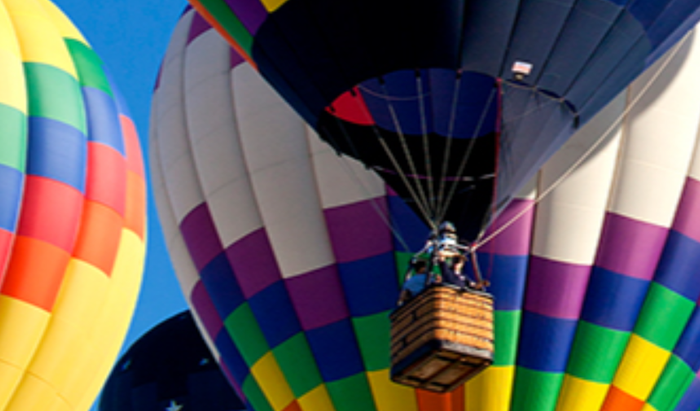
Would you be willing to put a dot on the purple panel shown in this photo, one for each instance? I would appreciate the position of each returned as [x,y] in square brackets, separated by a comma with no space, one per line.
[202,304]
[251,13]
[630,247]
[556,289]
[253,262]
[514,240]
[200,235]
[358,231]
[235,59]
[198,26]
[318,297]
[687,220]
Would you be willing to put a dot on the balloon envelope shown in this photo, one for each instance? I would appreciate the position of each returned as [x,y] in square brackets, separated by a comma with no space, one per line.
[292,256]
[72,213]
[169,368]
[456,104]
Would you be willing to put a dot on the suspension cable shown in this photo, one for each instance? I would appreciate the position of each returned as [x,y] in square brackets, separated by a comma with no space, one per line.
[432,206]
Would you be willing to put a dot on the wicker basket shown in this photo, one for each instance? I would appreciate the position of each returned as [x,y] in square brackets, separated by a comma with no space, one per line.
[441,338]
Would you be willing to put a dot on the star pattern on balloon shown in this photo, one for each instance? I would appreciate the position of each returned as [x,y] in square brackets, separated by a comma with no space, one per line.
[174,406]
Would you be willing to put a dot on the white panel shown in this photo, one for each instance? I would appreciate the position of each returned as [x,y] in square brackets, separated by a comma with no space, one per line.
[569,219]
[215,139]
[341,180]
[694,171]
[277,154]
[659,140]
[178,39]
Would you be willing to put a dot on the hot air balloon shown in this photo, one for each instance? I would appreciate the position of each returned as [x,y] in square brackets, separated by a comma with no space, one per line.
[169,368]
[291,256]
[456,104]
[72,213]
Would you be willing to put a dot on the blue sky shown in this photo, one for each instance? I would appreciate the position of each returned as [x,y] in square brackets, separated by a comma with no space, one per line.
[131,37]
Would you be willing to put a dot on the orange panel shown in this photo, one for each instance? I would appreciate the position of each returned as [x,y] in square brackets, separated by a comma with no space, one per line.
[134,156]
[135,214]
[100,233]
[618,400]
[457,397]
[293,406]
[50,212]
[35,272]
[106,176]
[6,239]
[432,401]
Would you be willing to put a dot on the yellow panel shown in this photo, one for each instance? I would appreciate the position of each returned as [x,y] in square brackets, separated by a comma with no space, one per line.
[59,404]
[61,21]
[32,394]
[39,40]
[272,382]
[272,5]
[581,395]
[12,85]
[22,326]
[640,367]
[389,395]
[649,407]
[82,294]
[10,376]
[490,391]
[316,400]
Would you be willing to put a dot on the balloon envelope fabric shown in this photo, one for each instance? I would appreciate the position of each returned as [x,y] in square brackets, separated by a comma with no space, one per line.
[72,213]
[455,103]
[291,257]
[169,368]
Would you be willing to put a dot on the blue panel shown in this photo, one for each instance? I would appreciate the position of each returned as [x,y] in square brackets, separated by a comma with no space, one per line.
[335,349]
[613,300]
[687,347]
[103,119]
[221,285]
[407,224]
[57,151]
[231,356]
[487,31]
[275,314]
[647,11]
[122,106]
[691,398]
[396,103]
[664,35]
[11,183]
[507,275]
[370,284]
[545,342]
[678,266]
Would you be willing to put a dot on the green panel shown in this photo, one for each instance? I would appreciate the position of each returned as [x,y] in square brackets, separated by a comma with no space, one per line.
[402,260]
[54,94]
[351,394]
[674,382]
[254,395]
[89,66]
[230,23]
[663,316]
[298,365]
[246,334]
[596,352]
[374,337]
[507,330]
[13,137]
[535,390]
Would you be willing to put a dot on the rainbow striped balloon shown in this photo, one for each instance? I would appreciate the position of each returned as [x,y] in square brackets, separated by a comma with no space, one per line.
[72,213]
[291,257]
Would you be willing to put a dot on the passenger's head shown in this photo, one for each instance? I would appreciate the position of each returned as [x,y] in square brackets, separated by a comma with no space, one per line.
[420,266]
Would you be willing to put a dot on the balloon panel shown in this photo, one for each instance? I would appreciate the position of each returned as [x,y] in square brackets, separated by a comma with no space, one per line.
[73,205]
[300,318]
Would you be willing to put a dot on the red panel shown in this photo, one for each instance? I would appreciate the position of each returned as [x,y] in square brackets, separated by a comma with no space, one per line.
[106,176]
[35,273]
[134,156]
[99,236]
[6,239]
[618,400]
[351,107]
[432,401]
[135,214]
[50,212]
[293,406]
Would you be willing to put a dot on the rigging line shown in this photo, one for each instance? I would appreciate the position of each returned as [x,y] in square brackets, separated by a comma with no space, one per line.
[407,153]
[432,207]
[467,155]
[392,159]
[386,96]
[590,150]
[448,144]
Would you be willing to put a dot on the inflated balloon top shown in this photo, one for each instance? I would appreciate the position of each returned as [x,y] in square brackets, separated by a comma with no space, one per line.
[292,257]
[456,104]
[72,213]
[169,368]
